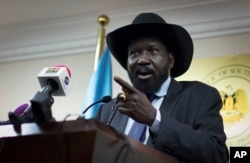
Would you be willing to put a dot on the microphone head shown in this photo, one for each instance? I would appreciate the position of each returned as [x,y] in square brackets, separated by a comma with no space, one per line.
[59,74]
[67,68]
[21,109]
[106,99]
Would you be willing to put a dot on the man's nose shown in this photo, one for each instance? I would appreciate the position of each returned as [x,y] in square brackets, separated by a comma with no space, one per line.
[144,58]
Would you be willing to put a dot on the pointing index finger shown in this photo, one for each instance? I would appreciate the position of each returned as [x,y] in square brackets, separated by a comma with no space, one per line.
[126,87]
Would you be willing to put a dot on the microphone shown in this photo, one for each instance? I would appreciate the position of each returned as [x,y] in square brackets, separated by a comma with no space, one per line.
[104,99]
[55,80]
[21,109]
[15,116]
[19,115]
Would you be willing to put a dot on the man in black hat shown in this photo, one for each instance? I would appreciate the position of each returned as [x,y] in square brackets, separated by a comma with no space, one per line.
[178,118]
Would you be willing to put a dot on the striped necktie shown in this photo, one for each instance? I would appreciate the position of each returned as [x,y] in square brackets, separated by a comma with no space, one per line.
[138,130]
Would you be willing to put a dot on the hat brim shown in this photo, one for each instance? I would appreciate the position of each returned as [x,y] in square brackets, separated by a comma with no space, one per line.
[178,38]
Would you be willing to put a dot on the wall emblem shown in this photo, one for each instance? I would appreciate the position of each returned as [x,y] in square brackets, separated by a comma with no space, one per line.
[233,83]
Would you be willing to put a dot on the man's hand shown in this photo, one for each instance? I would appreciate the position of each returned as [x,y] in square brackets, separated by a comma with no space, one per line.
[136,104]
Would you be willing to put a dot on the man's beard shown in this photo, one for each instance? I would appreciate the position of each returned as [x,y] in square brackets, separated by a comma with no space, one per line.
[149,87]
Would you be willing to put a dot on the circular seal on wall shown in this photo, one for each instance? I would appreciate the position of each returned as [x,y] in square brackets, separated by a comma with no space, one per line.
[233,84]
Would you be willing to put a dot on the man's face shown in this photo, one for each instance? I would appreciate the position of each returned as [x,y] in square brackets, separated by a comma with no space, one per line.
[148,64]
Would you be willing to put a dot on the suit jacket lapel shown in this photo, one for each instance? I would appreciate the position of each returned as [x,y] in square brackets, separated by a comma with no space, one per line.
[119,122]
[172,98]
[168,105]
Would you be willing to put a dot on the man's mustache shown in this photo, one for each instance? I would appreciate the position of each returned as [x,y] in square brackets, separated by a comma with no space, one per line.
[144,69]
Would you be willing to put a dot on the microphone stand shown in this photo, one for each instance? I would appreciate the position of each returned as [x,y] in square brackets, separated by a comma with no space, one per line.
[114,109]
[91,106]
[104,99]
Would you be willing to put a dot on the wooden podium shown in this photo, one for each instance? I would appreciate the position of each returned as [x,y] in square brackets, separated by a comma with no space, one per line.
[88,141]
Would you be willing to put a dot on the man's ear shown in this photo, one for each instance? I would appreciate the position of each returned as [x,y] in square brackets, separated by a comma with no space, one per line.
[171,60]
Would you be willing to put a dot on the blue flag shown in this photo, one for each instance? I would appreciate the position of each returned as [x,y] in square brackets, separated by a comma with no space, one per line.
[100,84]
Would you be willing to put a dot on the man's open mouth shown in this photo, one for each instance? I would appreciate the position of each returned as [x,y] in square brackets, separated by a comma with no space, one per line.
[144,75]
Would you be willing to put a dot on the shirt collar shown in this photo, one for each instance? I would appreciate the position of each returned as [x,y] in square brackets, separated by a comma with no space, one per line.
[164,88]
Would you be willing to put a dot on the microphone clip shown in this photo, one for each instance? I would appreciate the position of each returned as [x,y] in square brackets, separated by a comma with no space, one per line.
[114,110]
[41,107]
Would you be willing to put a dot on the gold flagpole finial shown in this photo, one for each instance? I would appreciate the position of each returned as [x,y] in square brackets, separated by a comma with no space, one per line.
[103,20]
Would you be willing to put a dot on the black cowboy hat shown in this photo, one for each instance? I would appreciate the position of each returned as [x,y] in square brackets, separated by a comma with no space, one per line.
[150,24]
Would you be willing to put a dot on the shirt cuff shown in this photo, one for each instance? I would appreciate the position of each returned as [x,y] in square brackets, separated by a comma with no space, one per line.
[156,124]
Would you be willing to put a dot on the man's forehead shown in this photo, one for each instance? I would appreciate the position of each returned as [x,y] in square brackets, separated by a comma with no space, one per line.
[152,39]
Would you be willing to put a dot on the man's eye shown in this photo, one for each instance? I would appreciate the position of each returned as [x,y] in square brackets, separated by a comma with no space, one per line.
[154,51]
[133,53]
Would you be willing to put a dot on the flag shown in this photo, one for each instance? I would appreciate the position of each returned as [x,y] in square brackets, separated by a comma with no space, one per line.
[100,84]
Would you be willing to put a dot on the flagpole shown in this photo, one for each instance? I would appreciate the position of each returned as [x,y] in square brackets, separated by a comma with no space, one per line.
[100,84]
[103,20]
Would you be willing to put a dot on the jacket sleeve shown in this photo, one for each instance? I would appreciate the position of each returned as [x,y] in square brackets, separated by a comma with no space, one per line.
[193,131]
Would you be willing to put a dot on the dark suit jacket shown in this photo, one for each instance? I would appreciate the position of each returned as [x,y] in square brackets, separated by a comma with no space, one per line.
[191,127]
